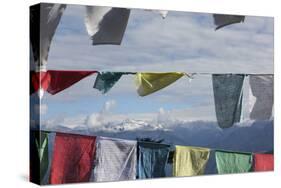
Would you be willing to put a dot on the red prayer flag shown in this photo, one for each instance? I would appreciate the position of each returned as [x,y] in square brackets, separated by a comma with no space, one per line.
[264,162]
[40,78]
[61,80]
[55,81]
[72,158]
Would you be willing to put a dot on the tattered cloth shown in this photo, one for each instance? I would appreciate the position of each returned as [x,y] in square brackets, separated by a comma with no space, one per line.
[116,160]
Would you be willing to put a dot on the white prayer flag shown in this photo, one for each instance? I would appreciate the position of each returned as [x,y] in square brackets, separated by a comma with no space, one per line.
[106,25]
[261,96]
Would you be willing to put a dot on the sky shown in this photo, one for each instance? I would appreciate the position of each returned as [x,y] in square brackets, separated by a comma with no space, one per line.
[182,41]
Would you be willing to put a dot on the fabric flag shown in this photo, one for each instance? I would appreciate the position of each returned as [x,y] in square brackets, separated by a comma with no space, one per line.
[190,161]
[106,25]
[51,140]
[261,96]
[230,162]
[228,98]
[44,19]
[55,81]
[148,83]
[152,161]
[42,149]
[40,80]
[60,80]
[72,158]
[115,160]
[263,162]
[106,80]
[222,20]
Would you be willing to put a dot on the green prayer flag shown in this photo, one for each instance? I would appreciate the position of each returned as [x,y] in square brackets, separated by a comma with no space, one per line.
[42,148]
[106,80]
[231,162]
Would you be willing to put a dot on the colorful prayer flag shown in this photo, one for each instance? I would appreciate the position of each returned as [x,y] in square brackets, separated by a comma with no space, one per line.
[190,161]
[222,20]
[148,83]
[232,162]
[72,158]
[55,81]
[42,149]
[44,20]
[261,96]
[152,161]
[228,98]
[263,162]
[115,160]
[106,80]
[106,25]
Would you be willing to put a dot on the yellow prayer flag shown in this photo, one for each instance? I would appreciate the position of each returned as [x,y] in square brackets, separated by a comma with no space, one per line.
[190,161]
[148,83]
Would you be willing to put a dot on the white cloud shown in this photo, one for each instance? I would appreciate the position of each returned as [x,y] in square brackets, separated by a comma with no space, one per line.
[99,119]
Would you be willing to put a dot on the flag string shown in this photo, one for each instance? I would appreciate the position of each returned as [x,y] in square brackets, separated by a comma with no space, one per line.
[151,142]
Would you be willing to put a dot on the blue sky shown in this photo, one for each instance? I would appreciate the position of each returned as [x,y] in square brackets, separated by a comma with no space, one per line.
[181,42]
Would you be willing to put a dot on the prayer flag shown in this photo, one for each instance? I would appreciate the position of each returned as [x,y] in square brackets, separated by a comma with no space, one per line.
[152,161]
[42,149]
[115,160]
[55,81]
[231,162]
[228,98]
[148,83]
[106,25]
[72,158]
[106,80]
[190,161]
[60,80]
[261,96]
[222,20]
[263,162]
[44,20]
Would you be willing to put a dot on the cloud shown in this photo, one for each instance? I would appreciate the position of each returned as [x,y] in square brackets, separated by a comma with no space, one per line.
[99,119]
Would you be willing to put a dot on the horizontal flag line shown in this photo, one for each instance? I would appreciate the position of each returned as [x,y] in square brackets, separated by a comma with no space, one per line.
[190,73]
[212,149]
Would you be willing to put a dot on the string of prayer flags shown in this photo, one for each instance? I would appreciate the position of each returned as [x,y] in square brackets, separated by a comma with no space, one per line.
[72,158]
[190,161]
[232,162]
[152,159]
[263,162]
[222,20]
[106,80]
[45,19]
[42,149]
[115,160]
[54,81]
[261,96]
[148,83]
[106,25]
[228,98]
